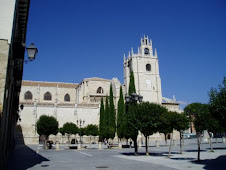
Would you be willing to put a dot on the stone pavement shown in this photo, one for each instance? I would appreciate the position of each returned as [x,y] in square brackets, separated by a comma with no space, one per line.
[35,157]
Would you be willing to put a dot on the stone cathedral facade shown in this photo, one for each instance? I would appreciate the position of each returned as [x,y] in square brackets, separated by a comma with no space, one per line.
[69,102]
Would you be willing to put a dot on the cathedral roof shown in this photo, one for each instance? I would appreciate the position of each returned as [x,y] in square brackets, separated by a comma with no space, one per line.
[49,84]
[95,79]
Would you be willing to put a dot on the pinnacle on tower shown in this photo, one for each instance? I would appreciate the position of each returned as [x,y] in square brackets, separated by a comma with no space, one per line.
[132,51]
[156,55]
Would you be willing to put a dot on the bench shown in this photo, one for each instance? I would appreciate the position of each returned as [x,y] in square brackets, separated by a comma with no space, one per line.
[113,146]
[72,146]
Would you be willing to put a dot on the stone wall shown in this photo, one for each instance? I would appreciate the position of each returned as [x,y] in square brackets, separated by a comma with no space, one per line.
[4,51]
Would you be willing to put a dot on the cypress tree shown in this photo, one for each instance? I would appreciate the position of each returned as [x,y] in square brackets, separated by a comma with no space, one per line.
[121,114]
[106,119]
[111,123]
[101,123]
[132,88]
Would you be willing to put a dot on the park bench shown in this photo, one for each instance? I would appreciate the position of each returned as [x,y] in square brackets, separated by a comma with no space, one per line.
[113,146]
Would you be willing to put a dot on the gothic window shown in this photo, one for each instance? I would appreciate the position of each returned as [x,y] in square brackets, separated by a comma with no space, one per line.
[47,96]
[67,98]
[148,67]
[28,95]
[100,90]
[146,51]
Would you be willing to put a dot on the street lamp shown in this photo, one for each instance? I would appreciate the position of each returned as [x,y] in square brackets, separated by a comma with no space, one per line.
[32,51]
[80,123]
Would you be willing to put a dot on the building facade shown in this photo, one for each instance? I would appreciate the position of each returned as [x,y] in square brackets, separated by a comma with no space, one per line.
[13,27]
[69,102]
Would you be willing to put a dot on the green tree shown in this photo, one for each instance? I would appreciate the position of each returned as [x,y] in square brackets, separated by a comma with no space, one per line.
[200,112]
[111,123]
[101,122]
[147,119]
[133,124]
[70,128]
[47,125]
[181,124]
[92,130]
[217,103]
[121,114]
[106,119]
[130,118]
[60,130]
[168,120]
[132,88]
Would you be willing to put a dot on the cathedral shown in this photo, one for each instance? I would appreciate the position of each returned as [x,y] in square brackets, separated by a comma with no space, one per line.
[69,102]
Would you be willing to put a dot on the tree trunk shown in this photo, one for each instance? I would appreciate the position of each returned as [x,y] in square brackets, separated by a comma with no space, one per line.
[165,139]
[198,142]
[90,142]
[135,147]
[126,141]
[45,142]
[211,147]
[146,145]
[181,143]
[171,139]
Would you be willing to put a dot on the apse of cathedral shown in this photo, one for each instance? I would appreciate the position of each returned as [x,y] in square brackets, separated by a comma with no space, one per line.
[69,102]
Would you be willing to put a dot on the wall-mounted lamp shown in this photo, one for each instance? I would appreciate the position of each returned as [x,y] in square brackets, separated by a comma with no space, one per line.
[32,51]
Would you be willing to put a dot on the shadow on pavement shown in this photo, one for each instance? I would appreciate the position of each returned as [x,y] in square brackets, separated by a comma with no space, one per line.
[218,163]
[183,159]
[194,150]
[164,154]
[23,158]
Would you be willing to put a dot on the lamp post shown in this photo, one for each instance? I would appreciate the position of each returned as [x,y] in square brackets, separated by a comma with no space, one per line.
[80,123]
[133,99]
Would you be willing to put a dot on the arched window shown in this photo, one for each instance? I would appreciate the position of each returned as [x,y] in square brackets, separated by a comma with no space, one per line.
[100,90]
[146,51]
[148,67]
[47,96]
[28,95]
[67,98]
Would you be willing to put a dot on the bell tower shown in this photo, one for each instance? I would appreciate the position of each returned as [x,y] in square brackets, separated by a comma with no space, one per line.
[145,66]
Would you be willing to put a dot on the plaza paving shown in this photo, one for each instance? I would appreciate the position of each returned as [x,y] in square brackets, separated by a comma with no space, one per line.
[35,157]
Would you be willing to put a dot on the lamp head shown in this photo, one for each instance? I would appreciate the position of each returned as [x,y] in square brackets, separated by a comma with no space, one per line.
[32,51]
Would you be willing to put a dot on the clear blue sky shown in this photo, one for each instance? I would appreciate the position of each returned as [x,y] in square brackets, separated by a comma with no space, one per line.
[81,39]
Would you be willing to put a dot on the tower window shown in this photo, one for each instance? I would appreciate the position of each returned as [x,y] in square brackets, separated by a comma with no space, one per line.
[100,90]
[148,67]
[146,51]
[28,95]
[47,96]
[67,98]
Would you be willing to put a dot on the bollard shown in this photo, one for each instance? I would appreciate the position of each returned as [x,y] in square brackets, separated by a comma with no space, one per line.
[57,145]
[79,146]
[99,145]
[120,145]
[157,143]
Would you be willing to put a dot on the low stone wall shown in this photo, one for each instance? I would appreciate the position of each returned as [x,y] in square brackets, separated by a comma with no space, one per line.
[90,139]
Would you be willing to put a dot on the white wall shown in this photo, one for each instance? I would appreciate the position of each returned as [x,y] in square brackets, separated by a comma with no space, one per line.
[7,8]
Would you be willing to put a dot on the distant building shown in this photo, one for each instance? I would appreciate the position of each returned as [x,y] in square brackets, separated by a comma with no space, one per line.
[13,26]
[70,102]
